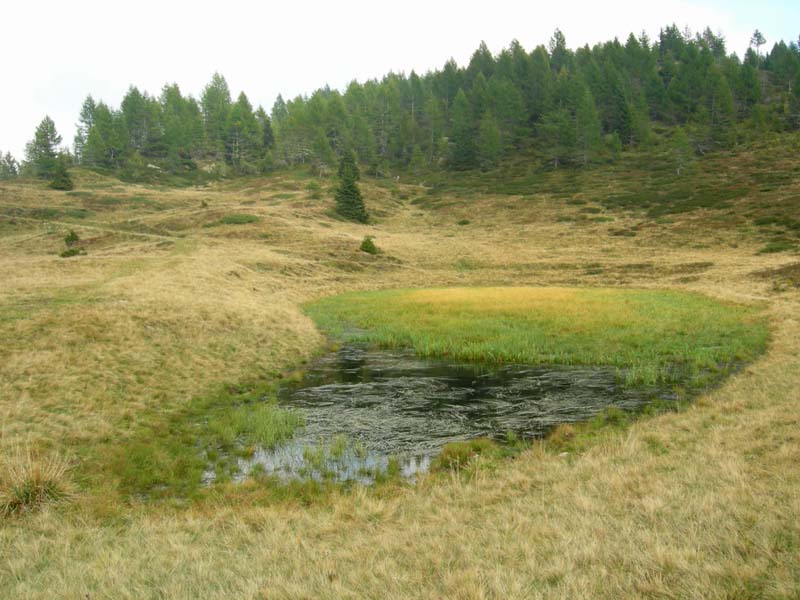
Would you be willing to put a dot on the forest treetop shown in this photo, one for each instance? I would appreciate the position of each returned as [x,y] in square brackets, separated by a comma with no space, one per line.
[565,106]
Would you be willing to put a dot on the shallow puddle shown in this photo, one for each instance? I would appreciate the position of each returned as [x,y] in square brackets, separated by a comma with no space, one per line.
[364,407]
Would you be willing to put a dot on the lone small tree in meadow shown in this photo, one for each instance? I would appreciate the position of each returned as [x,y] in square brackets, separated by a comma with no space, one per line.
[60,175]
[349,202]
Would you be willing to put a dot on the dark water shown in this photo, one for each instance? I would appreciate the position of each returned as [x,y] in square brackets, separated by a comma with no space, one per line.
[363,406]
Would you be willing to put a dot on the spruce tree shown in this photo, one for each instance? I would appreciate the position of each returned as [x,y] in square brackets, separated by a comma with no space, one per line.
[349,203]
[61,179]
[267,135]
[462,154]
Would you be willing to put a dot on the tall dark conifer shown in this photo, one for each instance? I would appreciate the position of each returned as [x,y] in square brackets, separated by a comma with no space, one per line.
[462,137]
[349,202]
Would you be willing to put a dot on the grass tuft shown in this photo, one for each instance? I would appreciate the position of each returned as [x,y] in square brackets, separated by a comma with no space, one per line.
[457,455]
[28,482]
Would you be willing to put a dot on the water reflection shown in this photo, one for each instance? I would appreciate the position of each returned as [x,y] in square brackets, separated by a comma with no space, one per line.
[363,406]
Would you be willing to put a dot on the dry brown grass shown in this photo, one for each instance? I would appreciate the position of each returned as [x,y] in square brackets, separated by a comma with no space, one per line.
[702,503]
[28,482]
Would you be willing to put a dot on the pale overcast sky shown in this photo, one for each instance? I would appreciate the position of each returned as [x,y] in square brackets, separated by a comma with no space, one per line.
[55,53]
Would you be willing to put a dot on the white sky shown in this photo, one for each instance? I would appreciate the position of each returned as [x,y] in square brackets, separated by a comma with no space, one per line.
[55,53]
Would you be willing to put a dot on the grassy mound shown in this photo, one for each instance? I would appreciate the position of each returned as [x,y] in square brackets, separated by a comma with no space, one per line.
[648,333]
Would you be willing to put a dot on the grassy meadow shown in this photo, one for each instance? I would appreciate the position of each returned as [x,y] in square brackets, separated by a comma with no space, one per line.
[651,334]
[126,369]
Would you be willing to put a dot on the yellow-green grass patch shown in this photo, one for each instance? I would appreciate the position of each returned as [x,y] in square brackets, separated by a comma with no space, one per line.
[651,335]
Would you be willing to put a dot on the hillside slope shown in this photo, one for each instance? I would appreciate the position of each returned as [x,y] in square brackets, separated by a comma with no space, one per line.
[177,293]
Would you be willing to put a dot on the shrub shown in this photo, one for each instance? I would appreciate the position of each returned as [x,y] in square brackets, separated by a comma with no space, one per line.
[777,246]
[62,183]
[70,252]
[238,219]
[71,238]
[314,190]
[368,245]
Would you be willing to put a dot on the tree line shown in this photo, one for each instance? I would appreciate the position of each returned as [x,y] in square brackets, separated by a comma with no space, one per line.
[569,107]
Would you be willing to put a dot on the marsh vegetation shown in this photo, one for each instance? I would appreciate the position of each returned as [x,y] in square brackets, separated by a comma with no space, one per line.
[369,411]
[652,336]
[163,350]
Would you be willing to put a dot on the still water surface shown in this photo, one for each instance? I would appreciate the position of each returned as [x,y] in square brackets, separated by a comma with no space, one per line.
[363,405]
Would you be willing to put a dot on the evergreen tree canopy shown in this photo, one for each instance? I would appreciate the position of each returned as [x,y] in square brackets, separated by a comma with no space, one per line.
[462,135]
[552,101]
[41,152]
[349,202]
[682,150]
[61,179]
[490,143]
[9,167]
[243,136]
[85,122]
[216,104]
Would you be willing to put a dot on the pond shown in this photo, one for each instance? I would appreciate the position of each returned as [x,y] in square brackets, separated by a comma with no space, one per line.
[368,410]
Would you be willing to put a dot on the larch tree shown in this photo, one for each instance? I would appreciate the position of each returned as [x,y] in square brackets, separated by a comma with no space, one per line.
[719,103]
[216,104]
[417,162]
[490,142]
[757,40]
[85,122]
[9,167]
[588,132]
[107,140]
[136,116]
[681,150]
[243,137]
[557,132]
[41,152]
